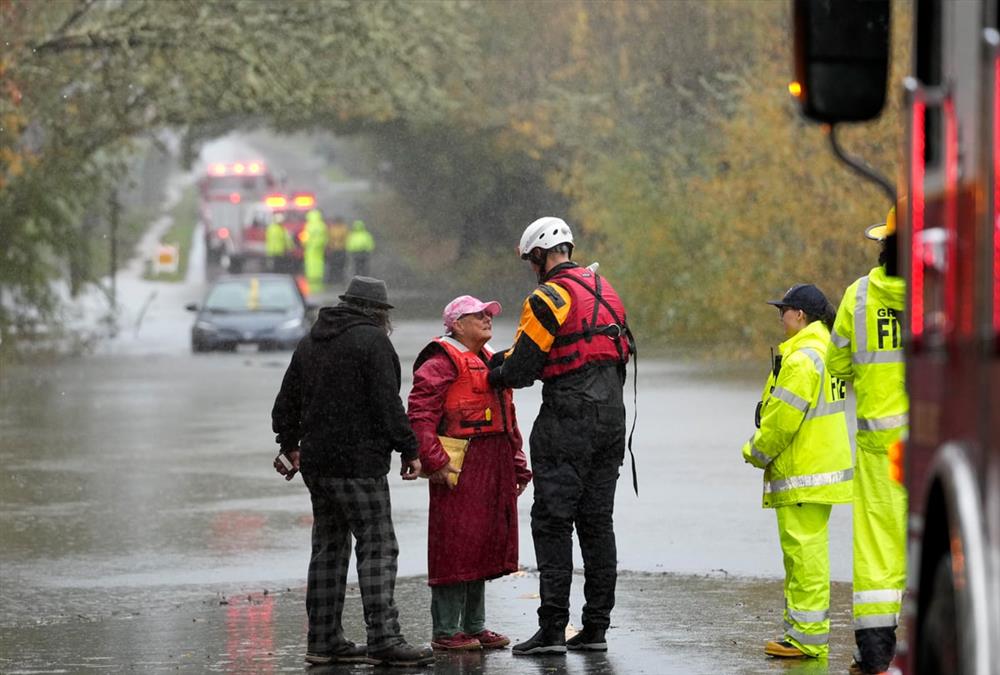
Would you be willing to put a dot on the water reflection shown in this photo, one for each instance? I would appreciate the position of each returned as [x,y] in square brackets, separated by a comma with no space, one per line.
[250,634]
[234,531]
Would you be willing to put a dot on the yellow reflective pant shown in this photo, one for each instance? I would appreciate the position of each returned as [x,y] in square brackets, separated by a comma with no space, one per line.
[805,547]
[313,258]
[879,542]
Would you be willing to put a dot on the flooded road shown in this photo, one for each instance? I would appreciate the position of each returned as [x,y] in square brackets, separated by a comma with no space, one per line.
[138,492]
[142,526]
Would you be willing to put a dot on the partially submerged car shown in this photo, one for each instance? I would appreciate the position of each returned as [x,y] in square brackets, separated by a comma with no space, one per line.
[266,310]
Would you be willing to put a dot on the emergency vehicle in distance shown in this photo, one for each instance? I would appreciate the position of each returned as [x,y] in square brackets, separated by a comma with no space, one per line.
[293,206]
[223,190]
[246,240]
[949,236]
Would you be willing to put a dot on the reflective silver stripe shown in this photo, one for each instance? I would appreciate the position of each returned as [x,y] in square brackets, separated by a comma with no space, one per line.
[883,423]
[861,355]
[876,621]
[809,616]
[813,480]
[760,455]
[868,358]
[808,638]
[839,340]
[861,316]
[824,408]
[816,359]
[790,398]
[869,597]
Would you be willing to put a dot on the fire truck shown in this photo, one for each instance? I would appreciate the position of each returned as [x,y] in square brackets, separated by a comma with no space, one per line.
[244,243]
[949,251]
[224,190]
[294,206]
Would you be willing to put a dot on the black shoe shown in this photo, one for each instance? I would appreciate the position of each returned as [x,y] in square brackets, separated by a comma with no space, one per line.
[542,642]
[345,653]
[402,655]
[588,640]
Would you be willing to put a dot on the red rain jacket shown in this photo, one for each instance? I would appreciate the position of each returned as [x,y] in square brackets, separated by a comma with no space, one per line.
[472,529]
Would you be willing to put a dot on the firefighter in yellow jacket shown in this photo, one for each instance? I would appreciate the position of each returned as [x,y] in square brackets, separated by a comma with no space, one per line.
[278,243]
[314,248]
[803,446]
[868,351]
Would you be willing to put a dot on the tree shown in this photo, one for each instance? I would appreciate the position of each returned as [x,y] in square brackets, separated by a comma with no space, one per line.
[82,78]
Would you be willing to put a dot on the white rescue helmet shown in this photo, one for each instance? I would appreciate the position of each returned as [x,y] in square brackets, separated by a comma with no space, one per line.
[544,233]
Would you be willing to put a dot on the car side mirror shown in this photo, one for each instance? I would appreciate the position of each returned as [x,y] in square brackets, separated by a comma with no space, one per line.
[841,58]
[191,307]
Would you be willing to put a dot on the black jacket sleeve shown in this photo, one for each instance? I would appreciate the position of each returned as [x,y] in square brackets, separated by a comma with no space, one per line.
[522,364]
[384,386]
[286,415]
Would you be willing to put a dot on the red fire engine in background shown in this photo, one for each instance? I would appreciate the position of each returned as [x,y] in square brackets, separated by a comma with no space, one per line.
[949,238]
[223,191]
[294,206]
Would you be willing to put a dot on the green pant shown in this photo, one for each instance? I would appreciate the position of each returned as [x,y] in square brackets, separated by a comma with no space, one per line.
[805,547]
[458,608]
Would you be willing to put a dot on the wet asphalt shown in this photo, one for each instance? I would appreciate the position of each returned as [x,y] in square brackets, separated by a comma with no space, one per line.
[143,529]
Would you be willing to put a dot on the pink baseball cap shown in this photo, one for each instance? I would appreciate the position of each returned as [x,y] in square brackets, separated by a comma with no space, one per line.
[466,304]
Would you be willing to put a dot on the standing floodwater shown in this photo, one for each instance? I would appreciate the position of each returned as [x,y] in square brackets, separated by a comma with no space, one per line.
[143,527]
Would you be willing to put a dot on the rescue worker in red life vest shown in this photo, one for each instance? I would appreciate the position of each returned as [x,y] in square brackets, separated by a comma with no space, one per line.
[572,335]
[472,516]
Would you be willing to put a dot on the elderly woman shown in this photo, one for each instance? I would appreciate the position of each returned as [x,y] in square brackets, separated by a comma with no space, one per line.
[472,529]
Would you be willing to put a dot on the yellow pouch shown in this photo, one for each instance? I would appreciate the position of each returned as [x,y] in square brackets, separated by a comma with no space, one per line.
[455,447]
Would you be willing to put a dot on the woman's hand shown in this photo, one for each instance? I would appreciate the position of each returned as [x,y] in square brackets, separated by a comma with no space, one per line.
[520,488]
[441,475]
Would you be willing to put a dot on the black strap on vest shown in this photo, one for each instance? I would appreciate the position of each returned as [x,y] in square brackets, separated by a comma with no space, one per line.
[620,329]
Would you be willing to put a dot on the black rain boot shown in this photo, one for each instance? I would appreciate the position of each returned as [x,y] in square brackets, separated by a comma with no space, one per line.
[588,640]
[544,641]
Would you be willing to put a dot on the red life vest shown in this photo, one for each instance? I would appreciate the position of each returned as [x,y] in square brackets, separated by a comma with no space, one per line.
[594,330]
[471,406]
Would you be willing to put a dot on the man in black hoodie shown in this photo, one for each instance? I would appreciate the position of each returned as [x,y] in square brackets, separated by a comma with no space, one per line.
[338,417]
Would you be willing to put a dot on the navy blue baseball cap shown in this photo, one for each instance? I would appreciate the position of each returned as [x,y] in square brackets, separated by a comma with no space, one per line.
[806,297]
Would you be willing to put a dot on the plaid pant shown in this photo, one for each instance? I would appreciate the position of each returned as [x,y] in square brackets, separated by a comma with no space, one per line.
[343,507]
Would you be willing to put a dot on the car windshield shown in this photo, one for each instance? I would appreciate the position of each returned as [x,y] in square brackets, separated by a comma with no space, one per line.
[253,295]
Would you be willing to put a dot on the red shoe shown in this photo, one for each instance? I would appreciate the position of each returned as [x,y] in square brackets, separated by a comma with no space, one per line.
[490,640]
[458,642]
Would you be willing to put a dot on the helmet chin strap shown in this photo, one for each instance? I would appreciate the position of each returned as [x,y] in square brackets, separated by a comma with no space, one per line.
[538,257]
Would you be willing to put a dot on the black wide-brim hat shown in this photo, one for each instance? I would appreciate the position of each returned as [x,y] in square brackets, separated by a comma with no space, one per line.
[368,290]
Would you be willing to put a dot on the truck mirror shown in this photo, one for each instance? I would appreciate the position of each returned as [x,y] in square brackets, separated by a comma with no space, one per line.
[841,58]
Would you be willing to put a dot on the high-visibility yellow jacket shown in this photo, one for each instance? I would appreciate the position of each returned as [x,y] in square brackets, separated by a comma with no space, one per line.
[359,240]
[867,350]
[802,443]
[315,232]
[277,240]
